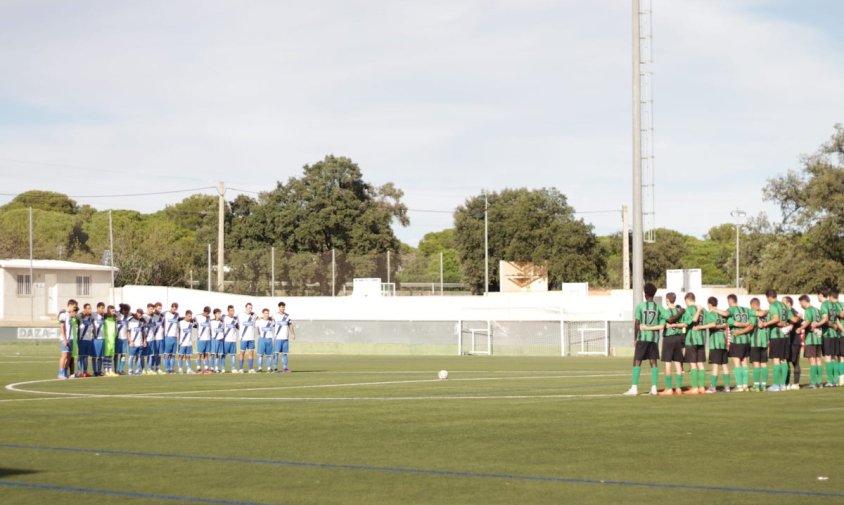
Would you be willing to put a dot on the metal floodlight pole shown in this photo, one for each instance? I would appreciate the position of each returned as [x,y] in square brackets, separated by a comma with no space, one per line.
[638,237]
[111,253]
[738,214]
[333,272]
[486,244]
[388,266]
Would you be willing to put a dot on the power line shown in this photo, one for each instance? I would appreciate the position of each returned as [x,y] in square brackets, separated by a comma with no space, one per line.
[127,195]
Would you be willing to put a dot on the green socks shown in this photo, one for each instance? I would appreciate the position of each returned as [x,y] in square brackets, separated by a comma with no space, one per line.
[668,381]
[637,370]
[756,375]
[679,381]
[654,376]
[829,371]
[713,381]
[726,380]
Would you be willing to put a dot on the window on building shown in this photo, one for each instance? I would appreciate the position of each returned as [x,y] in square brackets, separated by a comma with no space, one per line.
[24,285]
[83,285]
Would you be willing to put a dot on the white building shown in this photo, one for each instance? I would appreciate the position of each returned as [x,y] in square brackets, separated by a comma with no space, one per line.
[41,295]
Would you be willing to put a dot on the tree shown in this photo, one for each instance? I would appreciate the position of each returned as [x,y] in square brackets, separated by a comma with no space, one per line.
[812,205]
[665,253]
[42,200]
[527,225]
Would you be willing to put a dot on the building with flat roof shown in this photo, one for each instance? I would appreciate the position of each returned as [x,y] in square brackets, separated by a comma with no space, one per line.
[40,289]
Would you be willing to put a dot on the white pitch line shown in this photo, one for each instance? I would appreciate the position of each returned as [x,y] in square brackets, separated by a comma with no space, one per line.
[377,383]
[16,387]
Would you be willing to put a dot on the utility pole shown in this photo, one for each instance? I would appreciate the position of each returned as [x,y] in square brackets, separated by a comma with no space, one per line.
[638,234]
[388,266]
[272,271]
[31,272]
[442,284]
[333,272]
[486,244]
[625,247]
[111,253]
[209,266]
[221,213]
[738,215]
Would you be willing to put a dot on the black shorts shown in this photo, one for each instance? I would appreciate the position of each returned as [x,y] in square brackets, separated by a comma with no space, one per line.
[740,351]
[812,351]
[779,348]
[758,354]
[830,346]
[672,348]
[717,356]
[695,354]
[645,350]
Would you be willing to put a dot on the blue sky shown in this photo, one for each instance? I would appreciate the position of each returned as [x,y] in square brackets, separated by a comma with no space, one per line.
[444,98]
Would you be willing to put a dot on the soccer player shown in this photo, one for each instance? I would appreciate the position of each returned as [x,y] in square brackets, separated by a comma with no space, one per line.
[780,341]
[672,347]
[171,337]
[649,322]
[229,337]
[742,322]
[246,327]
[714,322]
[695,354]
[157,338]
[68,330]
[218,330]
[121,347]
[109,341]
[759,347]
[136,328]
[264,327]
[98,344]
[85,340]
[839,317]
[812,336]
[147,357]
[186,326]
[792,378]
[830,336]
[284,333]
[204,341]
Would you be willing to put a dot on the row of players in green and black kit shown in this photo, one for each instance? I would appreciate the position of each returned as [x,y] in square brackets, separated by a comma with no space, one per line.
[750,337]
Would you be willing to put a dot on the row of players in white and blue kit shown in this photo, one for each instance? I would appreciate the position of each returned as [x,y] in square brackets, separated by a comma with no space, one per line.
[120,342]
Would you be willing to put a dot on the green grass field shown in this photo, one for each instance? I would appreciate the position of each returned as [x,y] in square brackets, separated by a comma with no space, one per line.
[383,430]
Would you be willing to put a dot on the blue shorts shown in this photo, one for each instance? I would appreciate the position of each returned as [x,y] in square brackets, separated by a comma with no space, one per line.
[281,346]
[86,347]
[204,346]
[247,345]
[120,346]
[169,345]
[156,346]
[265,346]
[138,351]
[185,350]
[229,347]
[68,347]
[219,346]
[98,346]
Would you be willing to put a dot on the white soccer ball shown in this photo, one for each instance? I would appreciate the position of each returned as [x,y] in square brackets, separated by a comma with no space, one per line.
[443,375]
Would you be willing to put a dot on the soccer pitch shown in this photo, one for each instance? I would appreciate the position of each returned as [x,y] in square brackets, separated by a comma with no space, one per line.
[373,430]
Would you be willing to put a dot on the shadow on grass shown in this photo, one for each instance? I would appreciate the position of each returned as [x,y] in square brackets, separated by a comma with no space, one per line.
[11,472]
